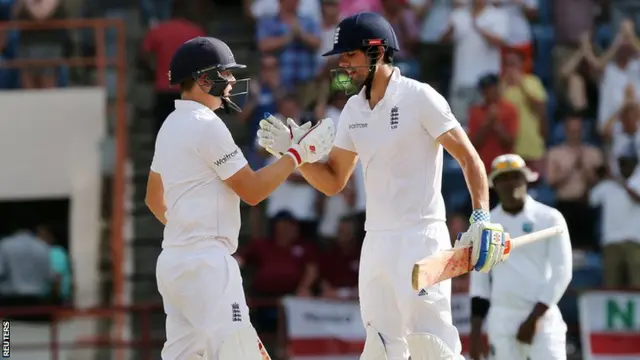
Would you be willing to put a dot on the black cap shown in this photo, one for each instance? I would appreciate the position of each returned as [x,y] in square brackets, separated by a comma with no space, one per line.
[200,55]
[488,80]
[363,30]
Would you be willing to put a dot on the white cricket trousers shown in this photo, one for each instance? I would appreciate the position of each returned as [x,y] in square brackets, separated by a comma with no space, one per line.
[388,302]
[549,342]
[203,298]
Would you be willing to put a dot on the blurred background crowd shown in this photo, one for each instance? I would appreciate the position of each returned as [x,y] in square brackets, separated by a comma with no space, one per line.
[555,81]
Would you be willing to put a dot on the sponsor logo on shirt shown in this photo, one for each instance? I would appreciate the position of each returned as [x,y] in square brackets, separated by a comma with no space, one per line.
[226,158]
[358,126]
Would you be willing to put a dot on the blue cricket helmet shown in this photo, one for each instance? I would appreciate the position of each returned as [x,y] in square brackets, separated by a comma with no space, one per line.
[361,31]
[207,56]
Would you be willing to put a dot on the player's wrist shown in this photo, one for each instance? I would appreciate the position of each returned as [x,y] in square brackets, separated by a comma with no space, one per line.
[296,154]
[480,215]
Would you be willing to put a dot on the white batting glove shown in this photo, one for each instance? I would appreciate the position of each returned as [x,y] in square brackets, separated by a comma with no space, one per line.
[489,243]
[304,145]
[276,137]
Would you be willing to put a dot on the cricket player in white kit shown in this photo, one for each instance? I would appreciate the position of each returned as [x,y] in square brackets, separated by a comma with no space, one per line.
[197,178]
[519,297]
[398,127]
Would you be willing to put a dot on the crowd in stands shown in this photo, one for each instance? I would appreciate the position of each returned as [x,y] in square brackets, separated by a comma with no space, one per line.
[555,81]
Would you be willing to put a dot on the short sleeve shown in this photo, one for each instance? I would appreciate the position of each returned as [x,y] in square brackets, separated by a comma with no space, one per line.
[634,181]
[535,88]
[595,195]
[154,164]
[264,28]
[312,26]
[498,23]
[343,138]
[219,149]
[435,112]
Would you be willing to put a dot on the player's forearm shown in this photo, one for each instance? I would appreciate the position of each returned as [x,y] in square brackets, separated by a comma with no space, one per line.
[267,179]
[538,311]
[476,177]
[322,177]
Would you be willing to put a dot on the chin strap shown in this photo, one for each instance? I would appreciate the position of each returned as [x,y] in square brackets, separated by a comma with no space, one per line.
[369,80]
[229,105]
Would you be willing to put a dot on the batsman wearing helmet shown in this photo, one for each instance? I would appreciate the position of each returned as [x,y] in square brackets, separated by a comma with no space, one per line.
[198,176]
[398,127]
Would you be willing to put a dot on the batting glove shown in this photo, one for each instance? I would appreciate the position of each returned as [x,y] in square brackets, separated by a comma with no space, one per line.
[303,143]
[489,243]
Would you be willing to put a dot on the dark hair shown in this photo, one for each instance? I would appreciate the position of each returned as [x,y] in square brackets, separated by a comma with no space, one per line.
[387,55]
[187,85]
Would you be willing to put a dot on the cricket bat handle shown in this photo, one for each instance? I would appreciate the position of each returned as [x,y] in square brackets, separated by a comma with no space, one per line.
[535,236]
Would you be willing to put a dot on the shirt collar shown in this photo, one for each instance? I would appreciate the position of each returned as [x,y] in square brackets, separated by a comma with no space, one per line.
[190,105]
[392,87]
[528,205]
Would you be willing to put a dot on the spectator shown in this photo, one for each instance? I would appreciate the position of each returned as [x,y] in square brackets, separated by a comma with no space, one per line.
[407,28]
[59,262]
[295,39]
[477,32]
[619,200]
[284,264]
[621,131]
[41,44]
[571,19]
[158,47]
[434,56]
[263,93]
[339,264]
[519,13]
[493,124]
[527,93]
[579,80]
[572,171]
[256,9]
[26,275]
[620,73]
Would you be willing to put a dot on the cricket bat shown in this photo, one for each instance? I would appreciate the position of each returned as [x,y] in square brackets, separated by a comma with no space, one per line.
[450,263]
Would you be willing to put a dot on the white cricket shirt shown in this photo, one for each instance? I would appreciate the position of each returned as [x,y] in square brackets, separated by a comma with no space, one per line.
[194,153]
[401,158]
[538,272]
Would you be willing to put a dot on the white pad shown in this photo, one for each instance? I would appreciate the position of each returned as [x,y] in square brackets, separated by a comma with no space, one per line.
[243,344]
[373,346]
[429,347]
